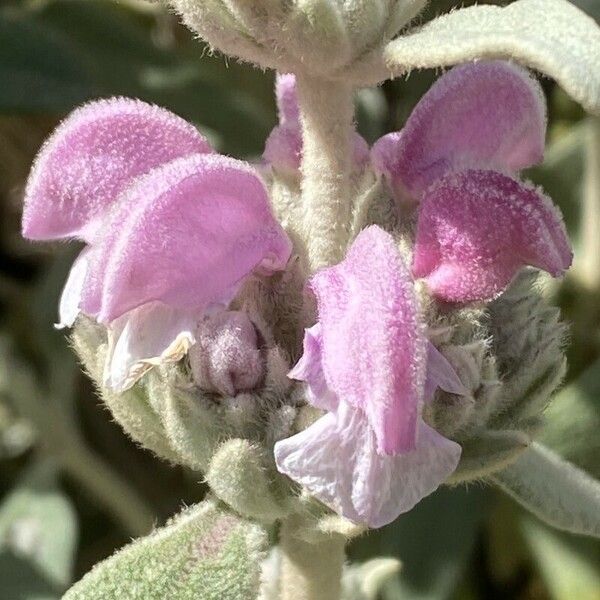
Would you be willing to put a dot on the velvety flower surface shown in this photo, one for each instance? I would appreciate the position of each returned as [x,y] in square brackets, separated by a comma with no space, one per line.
[172,228]
[283,148]
[371,457]
[458,158]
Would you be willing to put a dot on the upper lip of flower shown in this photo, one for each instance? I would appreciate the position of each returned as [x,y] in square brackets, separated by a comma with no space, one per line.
[170,224]
[457,157]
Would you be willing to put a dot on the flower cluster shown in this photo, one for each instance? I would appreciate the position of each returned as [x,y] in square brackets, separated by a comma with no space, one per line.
[174,230]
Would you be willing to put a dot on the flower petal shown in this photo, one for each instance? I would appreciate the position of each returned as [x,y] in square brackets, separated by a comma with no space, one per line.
[552,36]
[310,369]
[477,228]
[283,149]
[441,374]
[336,460]
[144,338]
[226,357]
[90,159]
[287,98]
[374,350]
[487,115]
[186,234]
[70,299]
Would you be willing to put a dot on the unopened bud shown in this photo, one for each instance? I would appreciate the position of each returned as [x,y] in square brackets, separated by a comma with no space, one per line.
[319,37]
[226,357]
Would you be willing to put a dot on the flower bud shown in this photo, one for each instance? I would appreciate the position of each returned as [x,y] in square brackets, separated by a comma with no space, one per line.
[226,357]
[238,476]
[511,360]
[315,36]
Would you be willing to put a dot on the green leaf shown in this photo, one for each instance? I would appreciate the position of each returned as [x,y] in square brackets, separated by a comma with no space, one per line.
[573,421]
[570,566]
[38,524]
[487,452]
[433,541]
[554,490]
[21,580]
[204,553]
[551,36]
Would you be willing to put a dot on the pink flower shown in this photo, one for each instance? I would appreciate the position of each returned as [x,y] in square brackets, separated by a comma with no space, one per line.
[172,228]
[283,148]
[368,363]
[458,157]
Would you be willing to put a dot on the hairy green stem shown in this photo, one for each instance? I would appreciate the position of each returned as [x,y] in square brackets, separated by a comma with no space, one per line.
[310,571]
[327,113]
[589,265]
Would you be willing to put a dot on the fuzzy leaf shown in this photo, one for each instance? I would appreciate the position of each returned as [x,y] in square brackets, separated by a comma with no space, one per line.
[554,490]
[487,452]
[552,36]
[572,421]
[202,553]
[38,525]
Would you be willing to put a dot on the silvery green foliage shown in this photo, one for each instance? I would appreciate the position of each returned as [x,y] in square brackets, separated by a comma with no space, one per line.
[358,41]
[554,490]
[204,552]
[324,36]
[550,35]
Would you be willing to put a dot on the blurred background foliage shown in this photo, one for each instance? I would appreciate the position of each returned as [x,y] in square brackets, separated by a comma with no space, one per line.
[73,488]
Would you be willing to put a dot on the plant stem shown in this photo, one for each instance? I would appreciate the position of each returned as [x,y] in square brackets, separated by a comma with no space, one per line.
[108,488]
[327,113]
[589,266]
[310,571]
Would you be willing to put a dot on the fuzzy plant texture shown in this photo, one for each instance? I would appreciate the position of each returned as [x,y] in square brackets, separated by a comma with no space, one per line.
[331,334]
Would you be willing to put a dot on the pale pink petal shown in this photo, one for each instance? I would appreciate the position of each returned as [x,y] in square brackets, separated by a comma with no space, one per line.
[187,234]
[146,337]
[92,157]
[337,461]
[70,299]
[287,98]
[441,374]
[374,349]
[310,370]
[283,149]
[488,115]
[477,228]
[226,357]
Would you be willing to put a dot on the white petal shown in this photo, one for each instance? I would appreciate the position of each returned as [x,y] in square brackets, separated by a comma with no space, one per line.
[145,337]
[68,308]
[336,460]
[441,374]
[552,36]
[310,370]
